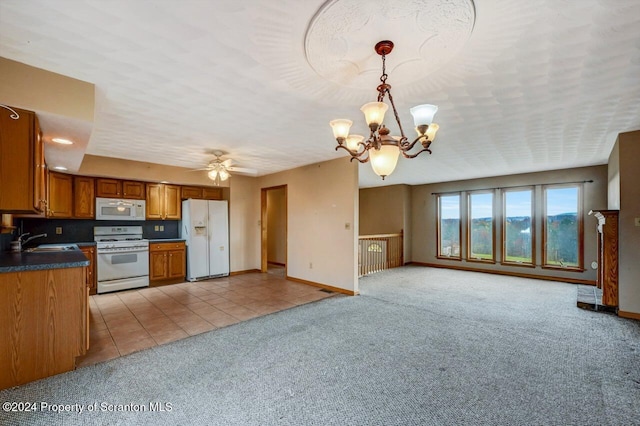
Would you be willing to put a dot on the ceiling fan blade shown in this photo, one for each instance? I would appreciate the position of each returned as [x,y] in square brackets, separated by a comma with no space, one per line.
[242,170]
[199,170]
[227,163]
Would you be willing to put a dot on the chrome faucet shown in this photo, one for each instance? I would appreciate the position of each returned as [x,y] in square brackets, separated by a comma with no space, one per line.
[23,242]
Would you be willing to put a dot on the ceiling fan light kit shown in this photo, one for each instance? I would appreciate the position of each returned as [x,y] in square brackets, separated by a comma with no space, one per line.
[382,149]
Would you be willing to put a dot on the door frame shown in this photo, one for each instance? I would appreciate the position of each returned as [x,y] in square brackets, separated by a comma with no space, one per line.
[263,228]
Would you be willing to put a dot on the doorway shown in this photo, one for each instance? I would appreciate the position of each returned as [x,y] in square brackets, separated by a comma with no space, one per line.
[274,230]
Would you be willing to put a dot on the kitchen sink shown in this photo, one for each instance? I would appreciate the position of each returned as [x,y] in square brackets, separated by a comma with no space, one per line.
[49,248]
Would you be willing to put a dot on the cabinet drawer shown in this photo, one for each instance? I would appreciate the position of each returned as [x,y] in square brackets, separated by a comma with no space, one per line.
[166,246]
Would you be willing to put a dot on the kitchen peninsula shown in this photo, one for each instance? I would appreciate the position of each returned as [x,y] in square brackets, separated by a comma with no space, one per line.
[43,314]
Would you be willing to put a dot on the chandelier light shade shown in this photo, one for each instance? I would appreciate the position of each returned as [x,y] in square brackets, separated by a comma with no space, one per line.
[382,149]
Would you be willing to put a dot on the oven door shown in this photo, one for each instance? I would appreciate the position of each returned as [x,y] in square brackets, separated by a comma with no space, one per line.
[115,265]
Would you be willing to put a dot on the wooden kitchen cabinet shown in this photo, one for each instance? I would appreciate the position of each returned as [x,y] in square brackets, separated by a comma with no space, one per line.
[92,280]
[60,195]
[84,197]
[44,323]
[167,263]
[22,166]
[201,193]
[116,188]
[163,201]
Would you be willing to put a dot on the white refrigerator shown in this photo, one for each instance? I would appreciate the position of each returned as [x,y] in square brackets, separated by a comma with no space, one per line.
[205,228]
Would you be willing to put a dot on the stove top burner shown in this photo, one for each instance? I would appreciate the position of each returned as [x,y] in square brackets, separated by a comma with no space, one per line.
[133,239]
[108,239]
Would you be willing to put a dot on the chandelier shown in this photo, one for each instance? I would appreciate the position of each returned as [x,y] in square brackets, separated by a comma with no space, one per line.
[382,149]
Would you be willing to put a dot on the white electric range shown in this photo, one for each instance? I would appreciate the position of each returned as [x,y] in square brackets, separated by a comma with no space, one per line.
[123,258]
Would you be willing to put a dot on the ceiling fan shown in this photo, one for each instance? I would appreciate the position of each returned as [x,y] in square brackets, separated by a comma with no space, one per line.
[218,169]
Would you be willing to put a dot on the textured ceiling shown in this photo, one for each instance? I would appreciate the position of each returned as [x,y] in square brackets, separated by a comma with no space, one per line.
[530,86]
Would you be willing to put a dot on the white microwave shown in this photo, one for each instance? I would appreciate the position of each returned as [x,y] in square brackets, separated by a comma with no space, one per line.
[120,209]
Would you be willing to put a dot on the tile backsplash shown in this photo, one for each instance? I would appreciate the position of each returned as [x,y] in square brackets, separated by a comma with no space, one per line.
[79,231]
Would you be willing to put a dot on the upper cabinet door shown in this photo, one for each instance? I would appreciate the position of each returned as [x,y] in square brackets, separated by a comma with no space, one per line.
[191,192]
[133,190]
[60,195]
[108,188]
[172,202]
[84,197]
[21,181]
[212,193]
[155,201]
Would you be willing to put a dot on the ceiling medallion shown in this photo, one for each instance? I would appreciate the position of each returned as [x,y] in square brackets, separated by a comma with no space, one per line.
[382,149]
[428,33]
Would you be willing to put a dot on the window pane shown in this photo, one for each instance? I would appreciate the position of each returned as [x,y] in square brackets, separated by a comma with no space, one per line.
[481,226]
[562,227]
[449,218]
[518,234]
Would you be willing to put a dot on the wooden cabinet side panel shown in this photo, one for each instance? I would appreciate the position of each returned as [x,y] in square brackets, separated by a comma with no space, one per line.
[42,324]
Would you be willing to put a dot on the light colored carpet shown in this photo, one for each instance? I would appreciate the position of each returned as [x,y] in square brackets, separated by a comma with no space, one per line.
[419,346]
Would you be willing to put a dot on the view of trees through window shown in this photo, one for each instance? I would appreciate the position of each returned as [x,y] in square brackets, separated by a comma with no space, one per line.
[481,226]
[449,225]
[562,227]
[518,243]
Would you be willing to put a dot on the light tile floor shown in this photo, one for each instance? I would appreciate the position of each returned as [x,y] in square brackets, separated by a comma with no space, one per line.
[132,320]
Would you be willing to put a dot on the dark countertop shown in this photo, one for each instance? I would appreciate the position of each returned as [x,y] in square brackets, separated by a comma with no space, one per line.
[88,244]
[166,240]
[18,262]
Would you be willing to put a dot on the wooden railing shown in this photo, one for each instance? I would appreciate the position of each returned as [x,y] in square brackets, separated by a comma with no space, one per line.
[379,252]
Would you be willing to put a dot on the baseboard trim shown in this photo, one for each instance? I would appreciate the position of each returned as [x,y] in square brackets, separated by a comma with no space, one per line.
[246,271]
[508,273]
[630,315]
[325,286]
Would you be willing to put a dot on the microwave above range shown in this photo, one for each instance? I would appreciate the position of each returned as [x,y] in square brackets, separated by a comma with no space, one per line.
[120,209]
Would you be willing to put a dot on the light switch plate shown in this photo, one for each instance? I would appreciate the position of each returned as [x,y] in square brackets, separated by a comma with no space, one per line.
[58,230]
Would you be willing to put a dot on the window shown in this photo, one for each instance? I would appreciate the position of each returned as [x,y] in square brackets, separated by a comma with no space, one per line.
[480,230]
[449,226]
[518,233]
[562,236]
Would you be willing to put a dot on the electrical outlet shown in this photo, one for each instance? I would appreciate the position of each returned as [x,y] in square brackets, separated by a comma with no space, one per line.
[58,230]
[156,228]
[161,228]
[347,226]
[637,221]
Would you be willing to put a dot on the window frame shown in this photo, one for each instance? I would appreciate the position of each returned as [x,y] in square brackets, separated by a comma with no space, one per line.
[469,258]
[503,260]
[579,218]
[439,255]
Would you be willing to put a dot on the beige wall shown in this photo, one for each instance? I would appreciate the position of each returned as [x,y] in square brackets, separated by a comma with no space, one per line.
[93,165]
[244,224]
[424,218]
[386,210]
[613,195]
[277,225]
[322,202]
[35,89]
[628,145]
